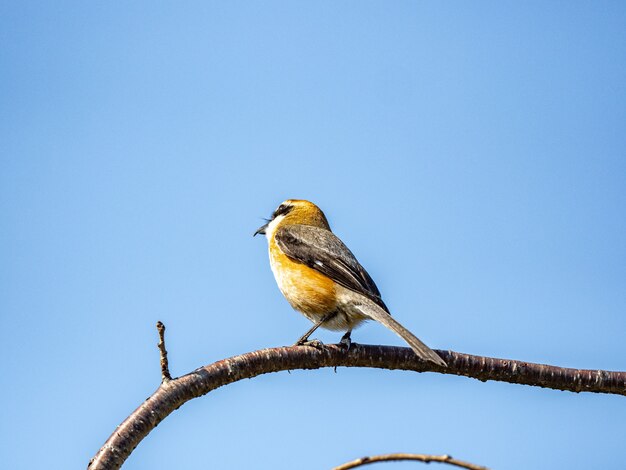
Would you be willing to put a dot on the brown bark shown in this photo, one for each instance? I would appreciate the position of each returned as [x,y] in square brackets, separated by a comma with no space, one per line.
[173,393]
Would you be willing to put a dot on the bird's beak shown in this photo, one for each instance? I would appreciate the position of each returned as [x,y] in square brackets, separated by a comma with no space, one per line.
[261,230]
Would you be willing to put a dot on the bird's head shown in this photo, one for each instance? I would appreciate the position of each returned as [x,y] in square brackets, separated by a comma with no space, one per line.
[292,212]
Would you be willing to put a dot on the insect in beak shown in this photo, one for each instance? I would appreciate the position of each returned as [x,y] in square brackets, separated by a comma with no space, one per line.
[261,230]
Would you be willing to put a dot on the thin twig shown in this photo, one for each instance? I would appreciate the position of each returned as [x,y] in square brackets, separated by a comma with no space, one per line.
[165,368]
[172,394]
[417,457]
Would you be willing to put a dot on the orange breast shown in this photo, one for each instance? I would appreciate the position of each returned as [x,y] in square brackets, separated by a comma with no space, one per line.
[306,289]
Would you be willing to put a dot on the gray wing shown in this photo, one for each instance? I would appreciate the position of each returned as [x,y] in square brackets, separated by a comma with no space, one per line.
[323,251]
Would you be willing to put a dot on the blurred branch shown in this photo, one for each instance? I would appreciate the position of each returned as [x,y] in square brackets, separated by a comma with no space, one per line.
[417,457]
[173,393]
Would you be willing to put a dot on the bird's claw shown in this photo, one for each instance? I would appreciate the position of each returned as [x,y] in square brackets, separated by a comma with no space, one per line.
[316,343]
[346,341]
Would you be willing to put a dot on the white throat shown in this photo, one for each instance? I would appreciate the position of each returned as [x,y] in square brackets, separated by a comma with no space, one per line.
[272,226]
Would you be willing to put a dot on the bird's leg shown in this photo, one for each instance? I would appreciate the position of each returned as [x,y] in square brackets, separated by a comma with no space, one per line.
[305,337]
[346,340]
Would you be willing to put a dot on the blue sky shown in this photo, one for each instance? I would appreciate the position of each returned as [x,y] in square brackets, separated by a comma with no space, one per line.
[472,155]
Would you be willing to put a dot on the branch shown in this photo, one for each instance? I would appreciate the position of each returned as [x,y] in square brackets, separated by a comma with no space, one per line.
[417,457]
[171,394]
[165,368]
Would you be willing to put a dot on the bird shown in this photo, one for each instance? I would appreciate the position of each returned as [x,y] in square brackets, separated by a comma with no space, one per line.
[321,278]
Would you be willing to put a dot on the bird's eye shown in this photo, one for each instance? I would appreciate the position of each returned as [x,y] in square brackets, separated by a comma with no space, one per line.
[282,210]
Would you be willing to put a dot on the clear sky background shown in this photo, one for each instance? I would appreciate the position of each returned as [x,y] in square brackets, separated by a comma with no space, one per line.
[471,154]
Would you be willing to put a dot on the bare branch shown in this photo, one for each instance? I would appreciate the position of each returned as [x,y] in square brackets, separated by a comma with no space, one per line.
[417,457]
[171,394]
[165,368]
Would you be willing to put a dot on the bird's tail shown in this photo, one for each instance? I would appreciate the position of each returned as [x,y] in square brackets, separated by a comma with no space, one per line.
[373,311]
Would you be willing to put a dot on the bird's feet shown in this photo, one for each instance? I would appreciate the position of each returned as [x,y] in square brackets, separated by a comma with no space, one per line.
[316,343]
[346,341]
